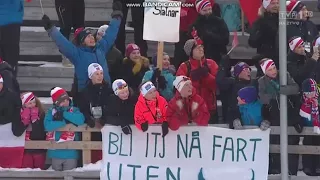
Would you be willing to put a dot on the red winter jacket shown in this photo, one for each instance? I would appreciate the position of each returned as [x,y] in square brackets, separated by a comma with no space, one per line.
[206,87]
[146,111]
[182,110]
[191,15]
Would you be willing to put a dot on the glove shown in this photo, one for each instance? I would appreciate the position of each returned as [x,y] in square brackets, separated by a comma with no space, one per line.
[34,114]
[266,111]
[265,124]
[155,76]
[144,126]
[90,121]
[58,116]
[237,124]
[126,129]
[286,90]
[165,128]
[298,127]
[162,83]
[46,22]
[25,116]
[117,10]
[199,73]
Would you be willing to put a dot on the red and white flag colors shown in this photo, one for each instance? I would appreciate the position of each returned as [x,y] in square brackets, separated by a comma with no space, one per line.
[266,65]
[295,42]
[1,79]
[11,147]
[27,97]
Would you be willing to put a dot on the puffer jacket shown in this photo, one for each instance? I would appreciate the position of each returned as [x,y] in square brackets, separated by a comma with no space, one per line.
[206,87]
[182,111]
[81,57]
[153,112]
[11,12]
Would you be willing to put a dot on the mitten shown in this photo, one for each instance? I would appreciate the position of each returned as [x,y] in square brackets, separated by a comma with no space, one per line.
[195,36]
[237,124]
[197,74]
[46,22]
[162,83]
[34,114]
[144,126]
[58,115]
[90,122]
[266,111]
[265,124]
[156,74]
[25,116]
[298,127]
[165,128]
[117,10]
[126,129]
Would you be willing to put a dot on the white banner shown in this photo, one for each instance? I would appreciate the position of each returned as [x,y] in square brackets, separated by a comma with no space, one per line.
[161,20]
[192,153]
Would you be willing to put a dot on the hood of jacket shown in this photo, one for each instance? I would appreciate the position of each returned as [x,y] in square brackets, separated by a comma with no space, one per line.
[5,66]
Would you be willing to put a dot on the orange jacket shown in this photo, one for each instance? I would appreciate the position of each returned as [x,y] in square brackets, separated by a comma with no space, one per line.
[153,112]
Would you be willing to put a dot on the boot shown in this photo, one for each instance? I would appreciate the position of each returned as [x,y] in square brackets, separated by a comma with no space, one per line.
[66,62]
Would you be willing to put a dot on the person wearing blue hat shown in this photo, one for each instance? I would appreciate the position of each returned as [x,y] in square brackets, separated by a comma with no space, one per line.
[163,80]
[250,110]
[230,87]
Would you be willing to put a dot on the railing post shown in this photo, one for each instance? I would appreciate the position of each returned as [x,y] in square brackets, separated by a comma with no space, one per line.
[86,153]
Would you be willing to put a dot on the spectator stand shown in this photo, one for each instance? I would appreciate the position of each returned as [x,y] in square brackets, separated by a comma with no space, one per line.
[86,145]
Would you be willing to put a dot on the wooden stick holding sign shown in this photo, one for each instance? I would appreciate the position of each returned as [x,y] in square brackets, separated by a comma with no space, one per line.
[160,55]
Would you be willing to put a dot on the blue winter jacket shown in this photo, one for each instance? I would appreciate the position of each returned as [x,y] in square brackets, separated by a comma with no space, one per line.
[251,114]
[82,57]
[75,117]
[168,92]
[11,12]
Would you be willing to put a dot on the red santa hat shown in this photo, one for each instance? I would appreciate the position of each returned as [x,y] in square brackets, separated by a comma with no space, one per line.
[266,65]
[58,95]
[294,5]
[295,42]
[27,97]
[131,47]
[1,79]
[200,4]
[92,68]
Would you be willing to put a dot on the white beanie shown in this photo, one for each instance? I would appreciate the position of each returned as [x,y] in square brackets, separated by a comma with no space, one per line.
[92,68]
[1,79]
[266,65]
[118,85]
[317,42]
[27,97]
[180,81]
[102,29]
[146,87]
[266,3]
[295,42]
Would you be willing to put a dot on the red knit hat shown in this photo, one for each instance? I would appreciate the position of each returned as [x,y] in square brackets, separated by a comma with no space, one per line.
[131,47]
[58,95]
[27,97]
[200,4]
[294,5]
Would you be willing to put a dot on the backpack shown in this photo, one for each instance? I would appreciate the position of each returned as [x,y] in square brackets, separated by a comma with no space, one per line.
[189,67]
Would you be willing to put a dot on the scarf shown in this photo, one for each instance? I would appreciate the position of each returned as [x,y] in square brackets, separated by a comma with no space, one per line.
[309,109]
[138,65]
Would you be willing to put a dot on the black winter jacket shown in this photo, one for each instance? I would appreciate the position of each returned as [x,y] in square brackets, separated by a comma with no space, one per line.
[10,106]
[301,67]
[120,112]
[264,36]
[215,35]
[9,80]
[307,30]
[37,134]
[232,86]
[93,96]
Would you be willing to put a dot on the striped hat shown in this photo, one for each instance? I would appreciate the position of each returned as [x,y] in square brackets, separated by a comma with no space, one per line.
[58,95]
[200,4]
[265,65]
[27,97]
[295,42]
[294,5]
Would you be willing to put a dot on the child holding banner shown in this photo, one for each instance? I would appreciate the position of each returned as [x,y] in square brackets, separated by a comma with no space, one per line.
[269,93]
[32,114]
[309,113]
[162,79]
[150,109]
[62,113]
[251,110]
[187,106]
